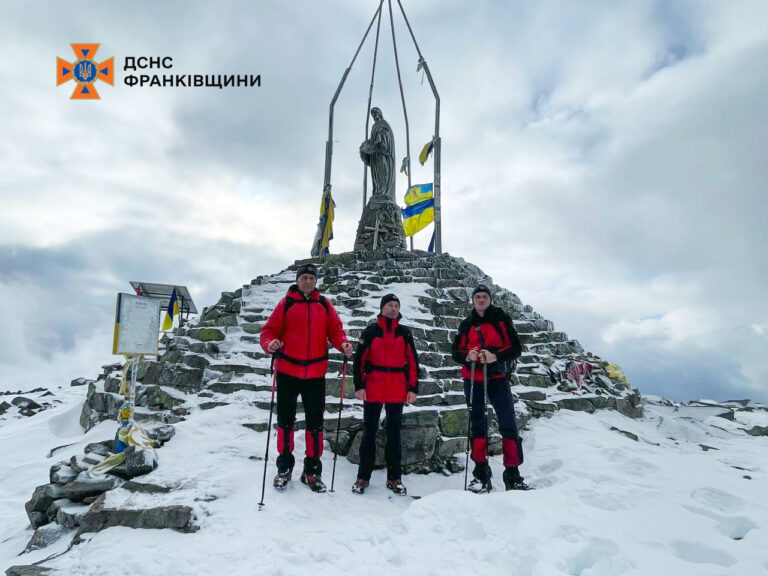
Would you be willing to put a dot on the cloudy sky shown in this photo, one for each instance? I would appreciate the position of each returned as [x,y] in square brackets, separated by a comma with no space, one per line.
[606,161]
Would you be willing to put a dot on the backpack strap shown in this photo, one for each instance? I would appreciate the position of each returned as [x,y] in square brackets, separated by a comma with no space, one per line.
[290,302]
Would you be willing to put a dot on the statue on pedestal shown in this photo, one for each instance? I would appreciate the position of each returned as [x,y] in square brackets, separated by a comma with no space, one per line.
[378,153]
[381,225]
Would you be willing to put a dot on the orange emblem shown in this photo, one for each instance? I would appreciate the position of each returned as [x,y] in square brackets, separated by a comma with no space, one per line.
[85,71]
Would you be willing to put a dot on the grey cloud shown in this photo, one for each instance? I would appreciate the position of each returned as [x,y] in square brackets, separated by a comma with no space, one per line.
[74,287]
[618,144]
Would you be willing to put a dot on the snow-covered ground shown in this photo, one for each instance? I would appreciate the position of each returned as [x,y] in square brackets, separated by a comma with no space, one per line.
[605,504]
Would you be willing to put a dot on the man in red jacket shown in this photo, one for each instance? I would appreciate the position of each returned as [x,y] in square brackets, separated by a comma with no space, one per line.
[297,332]
[386,371]
[487,336]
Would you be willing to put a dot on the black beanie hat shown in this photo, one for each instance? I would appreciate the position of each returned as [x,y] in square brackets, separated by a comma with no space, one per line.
[306,269]
[482,288]
[386,299]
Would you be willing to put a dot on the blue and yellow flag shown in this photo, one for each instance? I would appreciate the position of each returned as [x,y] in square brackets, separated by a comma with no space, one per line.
[173,310]
[426,151]
[420,208]
[418,193]
[324,235]
[327,206]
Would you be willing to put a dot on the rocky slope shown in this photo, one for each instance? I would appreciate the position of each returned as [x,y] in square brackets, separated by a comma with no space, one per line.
[216,361]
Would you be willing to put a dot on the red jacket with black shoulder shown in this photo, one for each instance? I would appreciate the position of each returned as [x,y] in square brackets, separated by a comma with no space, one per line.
[386,362]
[493,332]
[305,324]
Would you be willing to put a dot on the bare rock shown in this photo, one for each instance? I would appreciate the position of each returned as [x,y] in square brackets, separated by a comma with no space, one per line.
[45,536]
[80,382]
[27,570]
[99,517]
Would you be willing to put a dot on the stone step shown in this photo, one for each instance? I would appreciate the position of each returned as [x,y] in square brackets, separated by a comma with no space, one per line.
[536,406]
[251,327]
[253,310]
[253,318]
[569,348]
[532,369]
[239,369]
[100,517]
[442,373]
[449,399]
[232,387]
[537,380]
[255,354]
[534,338]
[536,395]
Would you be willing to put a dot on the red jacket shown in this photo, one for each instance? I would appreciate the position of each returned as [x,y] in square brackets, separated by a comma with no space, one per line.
[386,362]
[304,324]
[494,332]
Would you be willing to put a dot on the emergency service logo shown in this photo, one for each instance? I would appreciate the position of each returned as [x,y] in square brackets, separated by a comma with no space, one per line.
[85,71]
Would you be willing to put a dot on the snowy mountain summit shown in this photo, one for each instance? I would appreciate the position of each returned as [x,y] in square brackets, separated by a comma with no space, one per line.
[623,484]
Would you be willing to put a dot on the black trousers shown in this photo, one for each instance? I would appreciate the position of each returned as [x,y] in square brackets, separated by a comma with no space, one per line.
[393,452]
[500,397]
[312,393]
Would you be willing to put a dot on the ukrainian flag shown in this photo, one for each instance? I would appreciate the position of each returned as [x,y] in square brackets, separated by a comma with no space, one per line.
[324,235]
[426,151]
[173,310]
[420,208]
[327,206]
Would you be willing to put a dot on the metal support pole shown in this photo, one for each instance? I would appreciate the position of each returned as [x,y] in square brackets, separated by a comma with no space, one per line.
[402,98]
[370,96]
[132,389]
[436,139]
[329,143]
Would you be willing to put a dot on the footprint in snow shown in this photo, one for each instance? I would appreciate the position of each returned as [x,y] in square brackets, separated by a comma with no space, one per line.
[718,499]
[598,556]
[601,500]
[734,527]
[701,553]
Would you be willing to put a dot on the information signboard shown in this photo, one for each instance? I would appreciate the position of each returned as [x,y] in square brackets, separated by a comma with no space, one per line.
[137,324]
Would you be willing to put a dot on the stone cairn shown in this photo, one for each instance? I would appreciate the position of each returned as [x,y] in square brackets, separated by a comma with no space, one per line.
[220,355]
[380,226]
[202,365]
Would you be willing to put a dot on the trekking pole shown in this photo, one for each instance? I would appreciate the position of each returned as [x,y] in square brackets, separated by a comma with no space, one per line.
[485,401]
[338,424]
[485,410]
[269,427]
[469,421]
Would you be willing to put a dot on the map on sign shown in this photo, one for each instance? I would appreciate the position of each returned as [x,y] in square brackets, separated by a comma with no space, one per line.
[137,323]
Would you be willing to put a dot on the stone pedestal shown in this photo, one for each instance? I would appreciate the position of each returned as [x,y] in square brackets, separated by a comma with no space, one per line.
[381,226]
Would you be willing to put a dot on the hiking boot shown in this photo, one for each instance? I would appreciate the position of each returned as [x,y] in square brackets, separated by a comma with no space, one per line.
[481,481]
[359,486]
[314,482]
[513,480]
[480,486]
[397,487]
[282,479]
